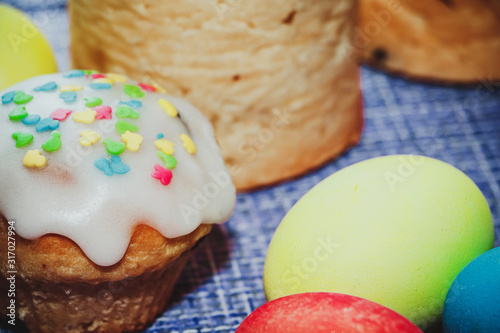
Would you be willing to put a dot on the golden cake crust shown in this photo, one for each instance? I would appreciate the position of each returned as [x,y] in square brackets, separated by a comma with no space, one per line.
[58,259]
[281,95]
[452,40]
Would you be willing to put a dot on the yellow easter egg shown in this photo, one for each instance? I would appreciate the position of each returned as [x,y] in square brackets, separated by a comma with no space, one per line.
[395,230]
[24,51]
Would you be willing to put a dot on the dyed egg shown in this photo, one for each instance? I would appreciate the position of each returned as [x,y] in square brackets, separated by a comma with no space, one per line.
[396,230]
[473,302]
[24,51]
[325,313]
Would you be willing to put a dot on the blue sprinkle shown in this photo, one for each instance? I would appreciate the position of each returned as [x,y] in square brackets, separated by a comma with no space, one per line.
[8,97]
[97,86]
[49,86]
[118,166]
[68,96]
[133,103]
[74,73]
[103,165]
[47,124]
[31,119]
[160,136]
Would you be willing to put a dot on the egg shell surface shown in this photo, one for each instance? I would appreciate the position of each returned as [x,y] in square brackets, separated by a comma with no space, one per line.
[396,230]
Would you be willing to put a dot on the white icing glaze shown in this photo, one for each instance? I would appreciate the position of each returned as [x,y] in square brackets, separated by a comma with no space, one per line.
[73,198]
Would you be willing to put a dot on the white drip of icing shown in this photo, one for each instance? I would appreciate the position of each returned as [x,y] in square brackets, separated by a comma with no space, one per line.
[73,198]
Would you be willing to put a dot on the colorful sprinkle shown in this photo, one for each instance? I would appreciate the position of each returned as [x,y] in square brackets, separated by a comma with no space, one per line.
[133,103]
[88,137]
[168,107]
[133,140]
[53,143]
[118,166]
[71,87]
[104,80]
[188,144]
[122,126]
[21,98]
[74,73]
[146,87]
[124,111]
[133,91]
[92,101]
[165,146]
[104,165]
[8,97]
[98,76]
[34,159]
[60,114]
[89,72]
[158,87]
[99,86]
[49,86]
[115,166]
[169,160]
[68,96]
[18,113]
[86,117]
[22,138]
[164,175]
[31,119]
[114,147]
[103,112]
[160,136]
[117,77]
[47,124]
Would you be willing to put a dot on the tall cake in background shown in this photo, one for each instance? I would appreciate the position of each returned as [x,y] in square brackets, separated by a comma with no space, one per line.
[272,76]
[447,40]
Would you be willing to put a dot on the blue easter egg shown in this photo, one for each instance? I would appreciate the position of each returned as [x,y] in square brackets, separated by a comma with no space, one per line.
[473,301]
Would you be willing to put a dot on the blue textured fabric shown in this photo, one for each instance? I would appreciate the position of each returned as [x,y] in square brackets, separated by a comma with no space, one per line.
[222,283]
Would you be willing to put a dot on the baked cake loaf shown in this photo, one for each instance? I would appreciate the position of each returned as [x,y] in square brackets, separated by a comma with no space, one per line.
[107,187]
[271,76]
[452,40]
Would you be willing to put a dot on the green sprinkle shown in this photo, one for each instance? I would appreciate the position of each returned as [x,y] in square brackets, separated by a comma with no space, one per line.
[22,138]
[93,101]
[21,98]
[114,147]
[89,72]
[53,143]
[169,160]
[122,126]
[18,113]
[124,111]
[133,91]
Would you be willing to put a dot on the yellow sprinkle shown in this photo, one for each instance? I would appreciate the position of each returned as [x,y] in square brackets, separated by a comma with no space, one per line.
[158,87]
[133,140]
[168,107]
[71,87]
[87,116]
[34,159]
[116,77]
[188,144]
[89,137]
[104,80]
[165,146]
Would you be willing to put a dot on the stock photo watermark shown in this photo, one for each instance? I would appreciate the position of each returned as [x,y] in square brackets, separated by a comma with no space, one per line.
[11,272]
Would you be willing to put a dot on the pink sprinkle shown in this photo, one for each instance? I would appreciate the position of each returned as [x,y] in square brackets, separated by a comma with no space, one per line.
[103,112]
[147,87]
[60,114]
[164,175]
[98,76]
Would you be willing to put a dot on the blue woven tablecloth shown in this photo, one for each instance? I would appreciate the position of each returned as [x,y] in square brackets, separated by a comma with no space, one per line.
[222,283]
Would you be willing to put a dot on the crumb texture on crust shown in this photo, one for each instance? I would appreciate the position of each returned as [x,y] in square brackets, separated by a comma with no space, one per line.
[455,41]
[57,259]
[274,81]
